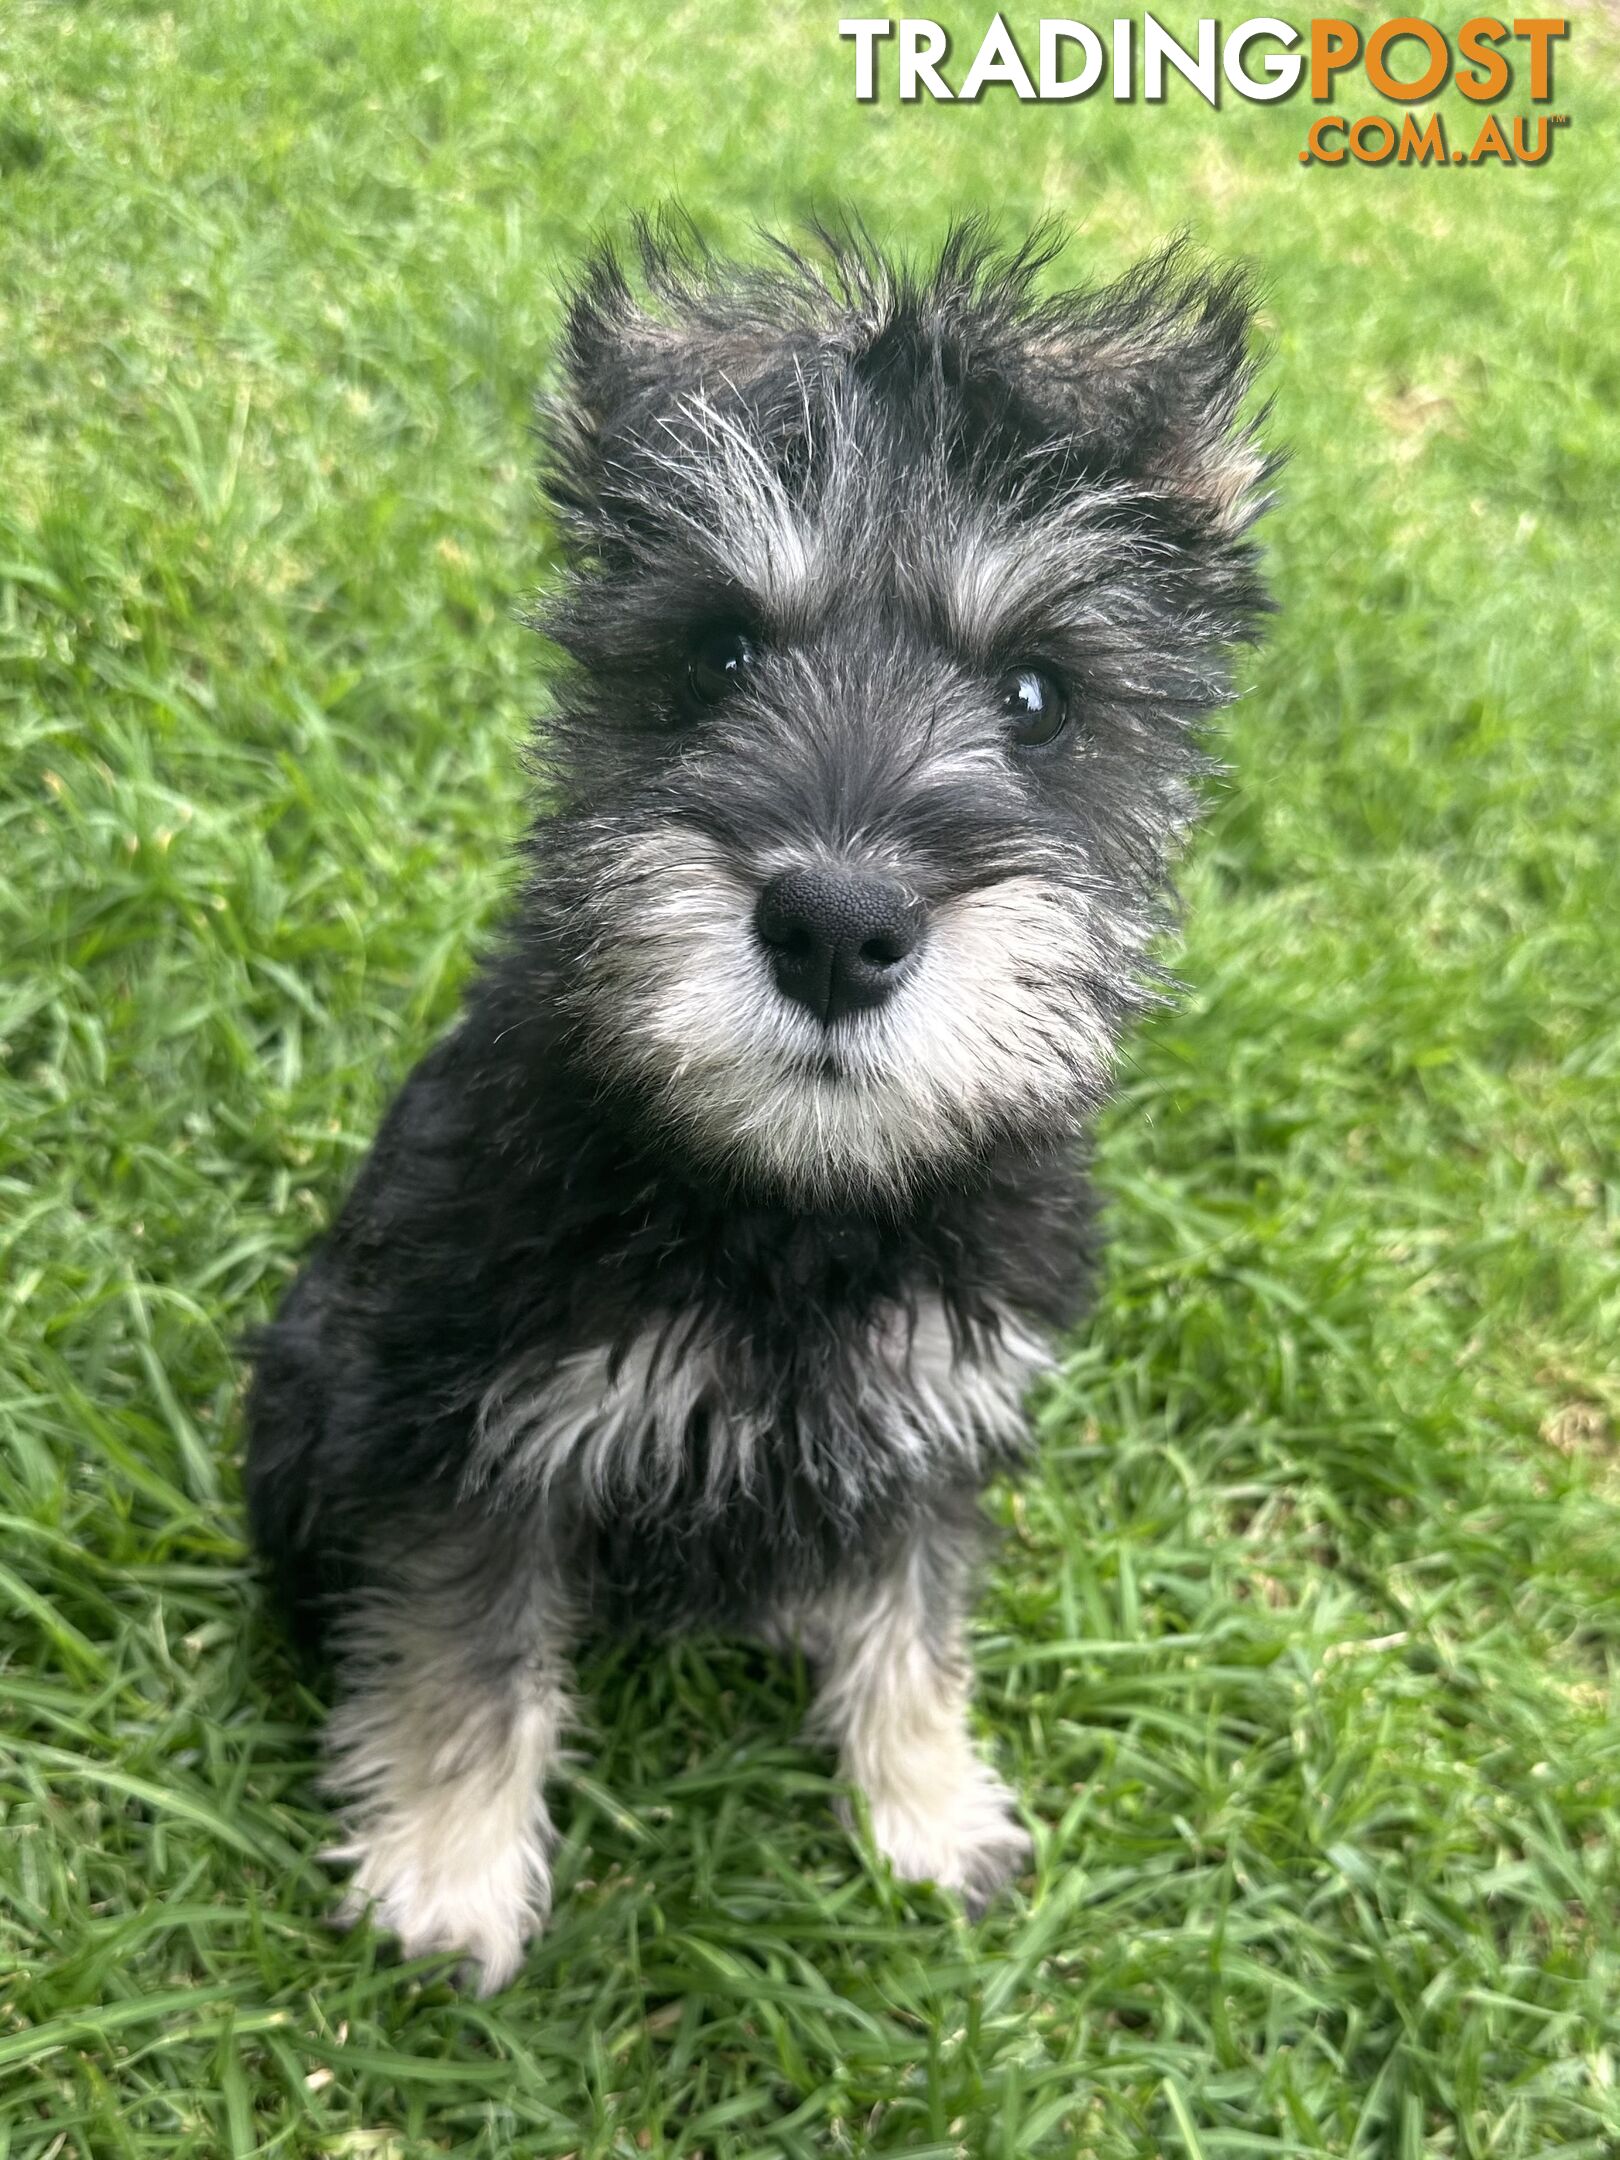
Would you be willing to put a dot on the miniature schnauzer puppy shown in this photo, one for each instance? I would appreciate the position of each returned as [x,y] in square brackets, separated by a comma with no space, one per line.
[698,1276]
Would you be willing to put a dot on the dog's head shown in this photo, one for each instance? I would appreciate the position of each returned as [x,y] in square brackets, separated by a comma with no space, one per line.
[893,598]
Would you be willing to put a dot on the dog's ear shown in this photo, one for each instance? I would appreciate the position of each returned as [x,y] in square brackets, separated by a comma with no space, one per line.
[628,353]
[606,342]
[1196,441]
[1149,377]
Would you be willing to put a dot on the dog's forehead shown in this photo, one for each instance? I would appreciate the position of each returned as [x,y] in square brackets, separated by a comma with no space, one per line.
[811,501]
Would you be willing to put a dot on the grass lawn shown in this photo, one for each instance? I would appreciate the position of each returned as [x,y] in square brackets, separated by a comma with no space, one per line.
[1304,1642]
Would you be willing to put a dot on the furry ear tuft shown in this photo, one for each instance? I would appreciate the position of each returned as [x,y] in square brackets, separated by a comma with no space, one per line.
[1153,373]
[611,348]
[688,326]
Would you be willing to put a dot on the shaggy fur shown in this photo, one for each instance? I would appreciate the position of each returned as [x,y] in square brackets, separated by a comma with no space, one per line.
[696,1278]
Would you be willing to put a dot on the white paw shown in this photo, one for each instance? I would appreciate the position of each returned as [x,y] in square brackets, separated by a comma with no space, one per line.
[962,1835]
[437,1891]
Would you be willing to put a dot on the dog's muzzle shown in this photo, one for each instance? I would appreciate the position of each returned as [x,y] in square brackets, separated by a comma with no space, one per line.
[839,942]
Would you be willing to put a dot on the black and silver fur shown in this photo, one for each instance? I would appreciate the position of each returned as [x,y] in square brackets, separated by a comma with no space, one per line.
[697,1277]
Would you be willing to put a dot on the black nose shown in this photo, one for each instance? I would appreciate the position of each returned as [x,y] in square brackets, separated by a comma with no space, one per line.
[839,943]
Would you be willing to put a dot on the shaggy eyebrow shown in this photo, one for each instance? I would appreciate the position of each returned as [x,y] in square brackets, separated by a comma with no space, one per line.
[1003,576]
[707,474]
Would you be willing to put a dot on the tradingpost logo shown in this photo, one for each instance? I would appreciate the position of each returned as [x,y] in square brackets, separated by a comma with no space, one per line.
[1405,59]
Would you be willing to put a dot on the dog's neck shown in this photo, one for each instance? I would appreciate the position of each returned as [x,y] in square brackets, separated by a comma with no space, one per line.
[613,1217]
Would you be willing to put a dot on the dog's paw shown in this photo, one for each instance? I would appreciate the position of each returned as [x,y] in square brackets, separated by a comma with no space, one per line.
[964,1837]
[435,1893]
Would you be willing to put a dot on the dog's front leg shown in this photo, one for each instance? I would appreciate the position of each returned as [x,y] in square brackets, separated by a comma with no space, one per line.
[892,1695]
[453,1698]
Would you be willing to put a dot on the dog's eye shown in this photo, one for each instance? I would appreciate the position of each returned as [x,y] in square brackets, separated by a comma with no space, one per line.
[1035,702]
[719,661]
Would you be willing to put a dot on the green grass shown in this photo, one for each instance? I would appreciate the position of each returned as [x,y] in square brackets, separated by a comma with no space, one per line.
[1303,1642]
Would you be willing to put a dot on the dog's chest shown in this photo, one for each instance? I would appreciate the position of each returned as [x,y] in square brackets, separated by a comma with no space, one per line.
[709,1474]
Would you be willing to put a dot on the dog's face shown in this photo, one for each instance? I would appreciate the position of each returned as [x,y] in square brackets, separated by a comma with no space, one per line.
[893,602]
